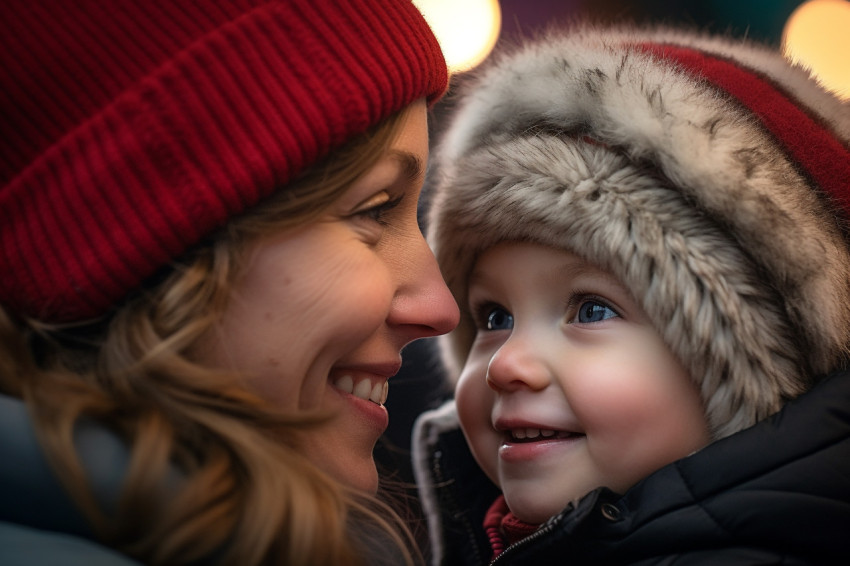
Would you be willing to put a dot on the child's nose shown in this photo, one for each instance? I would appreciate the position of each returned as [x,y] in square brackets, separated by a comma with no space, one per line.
[516,365]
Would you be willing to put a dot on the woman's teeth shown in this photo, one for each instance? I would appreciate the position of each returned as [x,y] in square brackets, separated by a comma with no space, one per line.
[364,389]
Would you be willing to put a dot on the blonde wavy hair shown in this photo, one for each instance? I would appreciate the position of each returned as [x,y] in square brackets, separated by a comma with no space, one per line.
[247,494]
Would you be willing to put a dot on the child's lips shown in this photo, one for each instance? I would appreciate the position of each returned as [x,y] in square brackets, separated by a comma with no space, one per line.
[528,445]
[522,431]
[537,434]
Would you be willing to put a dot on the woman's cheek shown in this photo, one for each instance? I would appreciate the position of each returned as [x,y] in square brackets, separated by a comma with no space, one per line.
[367,295]
[352,298]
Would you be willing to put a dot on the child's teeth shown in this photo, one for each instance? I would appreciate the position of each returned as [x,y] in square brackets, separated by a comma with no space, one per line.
[363,389]
[531,433]
[345,383]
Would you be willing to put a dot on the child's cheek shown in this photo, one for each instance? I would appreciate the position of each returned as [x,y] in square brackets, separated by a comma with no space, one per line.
[475,401]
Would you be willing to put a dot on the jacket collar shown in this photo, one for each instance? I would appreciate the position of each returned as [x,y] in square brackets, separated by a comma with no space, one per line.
[737,490]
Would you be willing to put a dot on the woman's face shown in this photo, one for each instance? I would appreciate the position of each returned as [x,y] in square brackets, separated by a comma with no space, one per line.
[320,315]
[568,386]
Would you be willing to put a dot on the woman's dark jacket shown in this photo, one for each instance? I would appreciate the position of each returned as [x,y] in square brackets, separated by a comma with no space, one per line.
[40,525]
[39,522]
[776,493]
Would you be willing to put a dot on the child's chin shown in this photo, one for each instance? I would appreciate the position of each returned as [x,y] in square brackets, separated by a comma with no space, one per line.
[533,509]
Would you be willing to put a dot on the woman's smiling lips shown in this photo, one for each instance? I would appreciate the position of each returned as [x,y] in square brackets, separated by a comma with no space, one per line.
[365,392]
[369,388]
[366,382]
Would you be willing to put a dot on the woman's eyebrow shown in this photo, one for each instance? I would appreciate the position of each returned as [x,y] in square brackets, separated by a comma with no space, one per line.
[412,167]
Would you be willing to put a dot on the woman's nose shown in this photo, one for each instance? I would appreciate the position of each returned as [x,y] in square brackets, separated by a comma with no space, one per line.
[423,306]
[516,365]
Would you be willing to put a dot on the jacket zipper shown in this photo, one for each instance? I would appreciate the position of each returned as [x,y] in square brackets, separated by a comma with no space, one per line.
[541,532]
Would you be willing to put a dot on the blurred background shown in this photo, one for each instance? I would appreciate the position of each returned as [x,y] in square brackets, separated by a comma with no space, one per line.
[815,33]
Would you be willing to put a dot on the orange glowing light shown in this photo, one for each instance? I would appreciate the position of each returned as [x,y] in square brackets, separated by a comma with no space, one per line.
[817,35]
[467,30]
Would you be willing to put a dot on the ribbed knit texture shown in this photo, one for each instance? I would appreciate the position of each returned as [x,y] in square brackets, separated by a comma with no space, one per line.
[130,130]
[503,528]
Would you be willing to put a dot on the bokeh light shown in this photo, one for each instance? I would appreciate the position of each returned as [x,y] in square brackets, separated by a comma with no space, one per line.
[817,35]
[466,29]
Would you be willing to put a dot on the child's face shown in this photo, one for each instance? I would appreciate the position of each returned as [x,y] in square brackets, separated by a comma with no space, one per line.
[568,387]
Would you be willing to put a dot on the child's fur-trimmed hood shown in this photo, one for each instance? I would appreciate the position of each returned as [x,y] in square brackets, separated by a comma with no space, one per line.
[709,175]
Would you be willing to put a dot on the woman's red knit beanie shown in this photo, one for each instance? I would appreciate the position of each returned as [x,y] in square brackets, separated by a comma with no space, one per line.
[129,130]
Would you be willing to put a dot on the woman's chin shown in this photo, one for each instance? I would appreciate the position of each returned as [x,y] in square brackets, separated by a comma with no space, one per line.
[361,477]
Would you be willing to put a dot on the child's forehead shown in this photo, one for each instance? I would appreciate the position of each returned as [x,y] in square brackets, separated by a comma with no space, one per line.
[531,259]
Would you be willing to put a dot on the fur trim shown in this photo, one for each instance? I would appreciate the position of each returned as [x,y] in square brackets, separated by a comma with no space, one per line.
[734,249]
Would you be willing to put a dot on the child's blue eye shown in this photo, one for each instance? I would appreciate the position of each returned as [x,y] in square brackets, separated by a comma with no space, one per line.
[499,319]
[594,311]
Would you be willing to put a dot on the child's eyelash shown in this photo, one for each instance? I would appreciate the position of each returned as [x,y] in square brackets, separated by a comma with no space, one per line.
[480,312]
[491,316]
[577,300]
[579,297]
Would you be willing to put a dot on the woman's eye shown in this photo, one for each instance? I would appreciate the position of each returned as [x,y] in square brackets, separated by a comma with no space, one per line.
[379,211]
[498,318]
[594,311]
